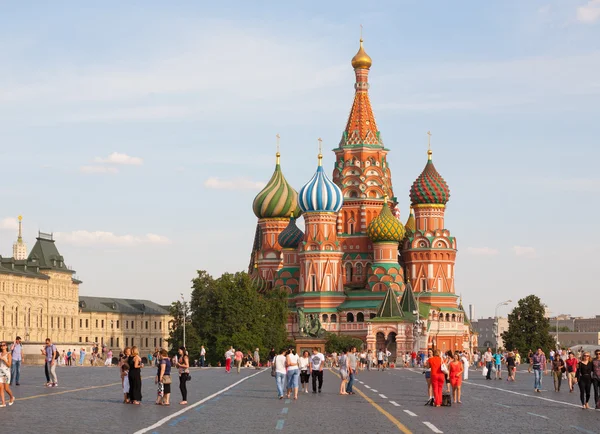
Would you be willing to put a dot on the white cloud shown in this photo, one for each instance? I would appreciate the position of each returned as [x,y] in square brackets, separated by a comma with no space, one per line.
[527,252]
[9,223]
[482,251]
[97,169]
[589,13]
[233,184]
[89,238]
[118,158]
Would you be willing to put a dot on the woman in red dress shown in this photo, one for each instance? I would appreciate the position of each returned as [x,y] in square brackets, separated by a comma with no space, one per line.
[456,371]
[437,377]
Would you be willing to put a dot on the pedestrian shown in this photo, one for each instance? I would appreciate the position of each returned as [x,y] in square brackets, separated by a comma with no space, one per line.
[369,359]
[69,357]
[16,352]
[529,360]
[464,358]
[135,376]
[510,366]
[488,359]
[183,365]
[5,368]
[363,360]
[380,356]
[292,373]
[125,382]
[280,372]
[81,356]
[558,368]
[304,366]
[108,361]
[163,379]
[538,364]
[476,359]
[51,357]
[256,359]
[584,379]
[437,377]
[317,363]
[456,371]
[352,363]
[427,374]
[446,359]
[498,358]
[596,378]
[228,355]
[238,356]
[344,368]
[571,363]
[202,356]
[272,355]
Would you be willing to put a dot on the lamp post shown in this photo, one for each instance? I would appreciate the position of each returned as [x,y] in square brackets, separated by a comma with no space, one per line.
[497,331]
[183,305]
[418,325]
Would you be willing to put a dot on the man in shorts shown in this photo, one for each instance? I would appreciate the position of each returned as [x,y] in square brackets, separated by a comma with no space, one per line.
[380,356]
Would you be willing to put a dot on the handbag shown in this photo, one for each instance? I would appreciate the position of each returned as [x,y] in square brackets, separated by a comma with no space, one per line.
[166,379]
[484,371]
[273,372]
[444,368]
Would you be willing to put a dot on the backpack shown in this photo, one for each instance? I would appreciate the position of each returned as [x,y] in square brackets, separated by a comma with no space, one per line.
[57,353]
[446,400]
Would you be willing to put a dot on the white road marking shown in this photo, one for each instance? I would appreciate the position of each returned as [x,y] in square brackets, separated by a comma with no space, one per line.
[523,394]
[394,403]
[194,405]
[433,428]
[373,390]
[368,387]
[383,396]
[538,415]
[410,413]
[502,405]
[360,382]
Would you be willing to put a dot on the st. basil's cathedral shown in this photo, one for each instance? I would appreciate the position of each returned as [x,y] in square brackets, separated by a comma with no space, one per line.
[357,268]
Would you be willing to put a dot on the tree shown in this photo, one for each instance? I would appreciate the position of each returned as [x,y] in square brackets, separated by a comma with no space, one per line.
[528,328]
[228,311]
[564,329]
[337,343]
[175,340]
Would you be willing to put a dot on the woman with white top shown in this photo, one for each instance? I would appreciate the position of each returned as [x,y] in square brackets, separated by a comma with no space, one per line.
[279,362]
[292,373]
[343,372]
[304,366]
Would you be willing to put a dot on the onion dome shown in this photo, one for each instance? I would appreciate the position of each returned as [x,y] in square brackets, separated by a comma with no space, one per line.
[361,60]
[290,237]
[429,188]
[320,194]
[385,227]
[260,284]
[278,199]
[411,224]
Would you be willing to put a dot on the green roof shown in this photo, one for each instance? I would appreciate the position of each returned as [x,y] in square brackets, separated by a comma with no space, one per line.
[317,310]
[359,304]
[120,305]
[45,254]
[408,303]
[448,309]
[390,307]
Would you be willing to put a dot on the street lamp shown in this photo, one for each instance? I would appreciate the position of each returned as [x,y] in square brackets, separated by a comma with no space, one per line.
[418,325]
[183,305]
[504,303]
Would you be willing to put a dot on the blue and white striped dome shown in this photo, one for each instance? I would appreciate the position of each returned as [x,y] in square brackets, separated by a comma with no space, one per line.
[320,194]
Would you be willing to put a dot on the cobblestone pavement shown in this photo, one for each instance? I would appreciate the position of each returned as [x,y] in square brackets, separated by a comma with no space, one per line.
[89,400]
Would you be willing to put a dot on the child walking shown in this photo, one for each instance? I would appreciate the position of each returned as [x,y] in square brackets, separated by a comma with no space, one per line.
[125,382]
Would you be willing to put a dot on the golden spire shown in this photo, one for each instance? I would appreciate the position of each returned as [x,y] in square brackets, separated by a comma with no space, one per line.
[20,236]
[429,151]
[320,156]
[277,155]
[361,60]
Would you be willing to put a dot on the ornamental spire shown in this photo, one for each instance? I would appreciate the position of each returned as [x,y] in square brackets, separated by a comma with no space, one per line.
[361,128]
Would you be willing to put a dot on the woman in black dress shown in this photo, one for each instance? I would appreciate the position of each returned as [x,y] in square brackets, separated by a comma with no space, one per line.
[135,376]
[584,379]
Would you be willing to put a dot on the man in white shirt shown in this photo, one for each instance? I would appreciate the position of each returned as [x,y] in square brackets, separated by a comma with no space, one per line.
[202,356]
[317,361]
[228,355]
[380,355]
[280,371]
[17,355]
[488,358]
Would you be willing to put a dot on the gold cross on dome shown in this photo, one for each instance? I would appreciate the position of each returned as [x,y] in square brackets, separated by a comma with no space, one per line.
[320,140]
[278,137]
[361,30]
[429,140]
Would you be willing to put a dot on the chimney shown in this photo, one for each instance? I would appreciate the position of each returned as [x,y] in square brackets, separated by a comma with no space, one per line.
[471,312]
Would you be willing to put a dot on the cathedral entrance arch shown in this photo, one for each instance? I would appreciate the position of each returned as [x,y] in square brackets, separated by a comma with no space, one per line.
[391,346]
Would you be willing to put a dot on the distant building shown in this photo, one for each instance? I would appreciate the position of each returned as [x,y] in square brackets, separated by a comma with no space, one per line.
[569,339]
[587,324]
[485,327]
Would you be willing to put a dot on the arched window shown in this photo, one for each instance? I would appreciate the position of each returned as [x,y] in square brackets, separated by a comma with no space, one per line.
[325,318]
[441,318]
[349,317]
[359,270]
[360,317]
[453,317]
[447,317]
[348,272]
[333,317]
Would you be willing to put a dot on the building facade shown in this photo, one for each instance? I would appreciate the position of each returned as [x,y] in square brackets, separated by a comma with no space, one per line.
[39,299]
[570,339]
[357,267]
[486,332]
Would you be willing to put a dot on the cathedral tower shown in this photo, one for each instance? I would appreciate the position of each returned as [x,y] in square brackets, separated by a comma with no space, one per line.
[19,247]
[362,173]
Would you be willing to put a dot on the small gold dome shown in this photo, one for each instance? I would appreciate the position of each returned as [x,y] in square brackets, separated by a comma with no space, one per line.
[361,60]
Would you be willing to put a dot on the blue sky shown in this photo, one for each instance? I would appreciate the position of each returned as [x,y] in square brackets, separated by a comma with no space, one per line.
[140,132]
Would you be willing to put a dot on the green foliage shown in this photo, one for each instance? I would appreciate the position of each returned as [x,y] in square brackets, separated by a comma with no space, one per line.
[228,311]
[528,328]
[564,329]
[175,340]
[338,343]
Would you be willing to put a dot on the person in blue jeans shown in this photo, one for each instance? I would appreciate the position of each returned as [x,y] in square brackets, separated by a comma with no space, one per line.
[352,363]
[488,359]
[538,363]
[279,367]
[498,358]
[17,356]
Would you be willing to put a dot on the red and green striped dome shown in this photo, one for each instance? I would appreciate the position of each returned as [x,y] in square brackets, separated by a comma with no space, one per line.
[429,188]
